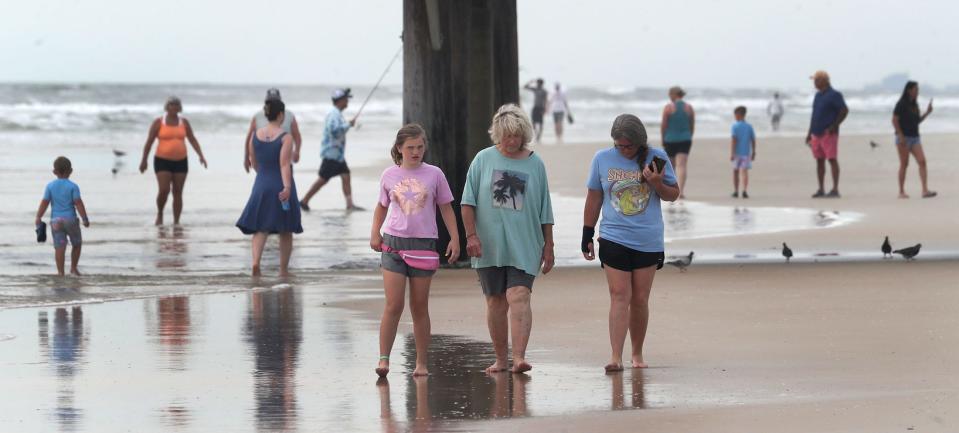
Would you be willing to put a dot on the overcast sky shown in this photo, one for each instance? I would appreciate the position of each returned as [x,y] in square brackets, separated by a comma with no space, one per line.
[607,43]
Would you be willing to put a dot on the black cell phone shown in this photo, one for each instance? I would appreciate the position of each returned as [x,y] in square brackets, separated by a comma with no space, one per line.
[659,163]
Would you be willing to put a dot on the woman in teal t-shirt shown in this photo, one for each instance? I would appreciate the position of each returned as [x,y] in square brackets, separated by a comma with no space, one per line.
[508,220]
[677,128]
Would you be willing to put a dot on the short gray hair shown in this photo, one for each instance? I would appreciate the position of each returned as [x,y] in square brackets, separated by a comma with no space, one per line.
[510,119]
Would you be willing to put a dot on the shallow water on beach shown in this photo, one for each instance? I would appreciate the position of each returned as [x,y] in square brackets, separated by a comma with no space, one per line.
[282,360]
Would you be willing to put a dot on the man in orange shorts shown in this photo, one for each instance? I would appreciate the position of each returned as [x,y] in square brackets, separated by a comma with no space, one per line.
[828,112]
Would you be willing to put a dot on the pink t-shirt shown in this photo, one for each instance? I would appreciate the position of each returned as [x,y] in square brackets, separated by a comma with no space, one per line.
[411,197]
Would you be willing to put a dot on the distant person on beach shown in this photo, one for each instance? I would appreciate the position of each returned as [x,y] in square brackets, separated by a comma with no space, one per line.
[742,151]
[170,160]
[559,106]
[677,128]
[333,150]
[906,119]
[410,192]
[539,105]
[272,207]
[63,197]
[775,111]
[626,183]
[828,112]
[508,219]
[289,126]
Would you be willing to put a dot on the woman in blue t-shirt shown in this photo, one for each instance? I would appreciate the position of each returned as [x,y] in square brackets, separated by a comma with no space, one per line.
[627,182]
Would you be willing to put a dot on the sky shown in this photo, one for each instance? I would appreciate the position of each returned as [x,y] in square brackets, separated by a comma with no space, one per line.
[604,43]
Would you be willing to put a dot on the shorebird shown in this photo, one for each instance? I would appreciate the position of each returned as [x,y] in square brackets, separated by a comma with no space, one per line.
[873,144]
[118,152]
[683,262]
[787,252]
[886,248]
[909,253]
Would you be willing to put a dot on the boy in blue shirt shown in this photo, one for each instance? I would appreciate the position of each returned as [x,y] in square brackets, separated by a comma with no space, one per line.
[742,151]
[63,197]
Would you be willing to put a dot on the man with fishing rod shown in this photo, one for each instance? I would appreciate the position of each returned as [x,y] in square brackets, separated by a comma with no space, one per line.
[333,150]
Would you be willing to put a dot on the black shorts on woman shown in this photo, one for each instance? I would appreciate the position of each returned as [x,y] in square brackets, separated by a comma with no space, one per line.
[160,164]
[626,259]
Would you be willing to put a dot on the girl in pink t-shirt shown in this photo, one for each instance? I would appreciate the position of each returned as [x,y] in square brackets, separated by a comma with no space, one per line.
[410,192]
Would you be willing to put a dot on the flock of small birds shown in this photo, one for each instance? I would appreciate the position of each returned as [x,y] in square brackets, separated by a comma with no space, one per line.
[908,253]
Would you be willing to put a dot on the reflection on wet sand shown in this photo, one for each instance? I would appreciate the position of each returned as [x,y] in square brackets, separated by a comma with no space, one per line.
[274,330]
[170,330]
[65,349]
[172,247]
[637,394]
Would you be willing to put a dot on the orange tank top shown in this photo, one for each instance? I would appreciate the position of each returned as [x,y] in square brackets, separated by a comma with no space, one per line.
[172,140]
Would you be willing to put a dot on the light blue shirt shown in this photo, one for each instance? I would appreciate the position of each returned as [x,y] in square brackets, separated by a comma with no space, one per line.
[511,197]
[61,193]
[260,121]
[745,136]
[632,215]
[334,135]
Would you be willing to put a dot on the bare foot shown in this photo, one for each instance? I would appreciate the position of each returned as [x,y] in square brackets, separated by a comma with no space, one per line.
[75,271]
[497,367]
[286,274]
[383,367]
[521,367]
[256,270]
[638,362]
[421,370]
[903,195]
[159,220]
[355,208]
[613,367]
[929,194]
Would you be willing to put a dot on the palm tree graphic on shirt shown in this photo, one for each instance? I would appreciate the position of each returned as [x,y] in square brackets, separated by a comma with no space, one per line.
[509,187]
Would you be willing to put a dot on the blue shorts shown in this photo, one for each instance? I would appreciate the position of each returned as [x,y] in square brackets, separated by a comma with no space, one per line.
[910,141]
[742,162]
[62,228]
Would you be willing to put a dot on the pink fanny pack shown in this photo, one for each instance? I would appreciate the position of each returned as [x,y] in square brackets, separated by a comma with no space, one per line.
[420,259]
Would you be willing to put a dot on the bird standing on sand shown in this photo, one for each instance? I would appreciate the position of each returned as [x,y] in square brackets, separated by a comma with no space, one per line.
[886,248]
[787,252]
[909,253]
[683,262]
[873,144]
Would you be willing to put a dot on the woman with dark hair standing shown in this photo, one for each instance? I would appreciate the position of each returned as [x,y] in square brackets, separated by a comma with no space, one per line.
[273,206]
[627,182]
[677,128]
[906,120]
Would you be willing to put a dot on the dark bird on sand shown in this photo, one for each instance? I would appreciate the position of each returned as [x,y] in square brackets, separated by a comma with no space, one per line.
[787,252]
[118,152]
[886,248]
[873,144]
[909,253]
[683,262]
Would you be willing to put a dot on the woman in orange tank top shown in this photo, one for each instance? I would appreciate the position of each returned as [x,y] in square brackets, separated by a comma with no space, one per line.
[170,159]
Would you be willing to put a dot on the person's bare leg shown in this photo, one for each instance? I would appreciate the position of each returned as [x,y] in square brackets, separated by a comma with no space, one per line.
[164,182]
[834,165]
[921,162]
[681,159]
[75,259]
[903,151]
[286,250]
[59,255]
[419,309]
[179,180]
[821,172]
[736,180]
[259,241]
[620,292]
[521,324]
[496,310]
[348,191]
[639,312]
[394,286]
[745,177]
[304,202]
[538,128]
[559,131]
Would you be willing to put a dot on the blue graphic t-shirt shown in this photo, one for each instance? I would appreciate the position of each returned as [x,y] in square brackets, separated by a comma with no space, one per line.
[61,194]
[744,135]
[511,197]
[826,106]
[334,135]
[632,215]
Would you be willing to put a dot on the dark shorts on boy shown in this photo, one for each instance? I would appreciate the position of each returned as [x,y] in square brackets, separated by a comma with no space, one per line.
[160,164]
[559,116]
[496,279]
[537,115]
[62,228]
[673,148]
[623,258]
[331,168]
[394,263]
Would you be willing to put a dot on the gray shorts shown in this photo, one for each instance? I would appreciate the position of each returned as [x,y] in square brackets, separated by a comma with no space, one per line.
[496,279]
[394,263]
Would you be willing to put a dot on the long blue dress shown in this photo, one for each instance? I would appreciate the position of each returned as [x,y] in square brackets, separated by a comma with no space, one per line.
[263,211]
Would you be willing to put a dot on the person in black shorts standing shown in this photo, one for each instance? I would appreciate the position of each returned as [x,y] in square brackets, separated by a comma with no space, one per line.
[333,151]
[539,106]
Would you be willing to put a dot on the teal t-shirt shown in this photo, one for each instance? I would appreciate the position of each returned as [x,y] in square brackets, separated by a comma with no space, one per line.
[511,197]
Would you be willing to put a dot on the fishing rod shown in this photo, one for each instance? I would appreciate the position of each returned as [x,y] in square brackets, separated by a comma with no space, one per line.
[377,85]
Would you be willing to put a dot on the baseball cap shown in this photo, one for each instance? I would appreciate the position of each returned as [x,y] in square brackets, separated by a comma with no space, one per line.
[819,74]
[273,93]
[341,93]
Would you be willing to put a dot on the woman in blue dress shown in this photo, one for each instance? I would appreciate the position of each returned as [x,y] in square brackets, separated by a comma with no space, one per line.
[273,206]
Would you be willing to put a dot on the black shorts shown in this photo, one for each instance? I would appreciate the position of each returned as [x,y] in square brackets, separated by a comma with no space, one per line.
[160,164]
[496,280]
[626,259]
[537,114]
[674,147]
[331,168]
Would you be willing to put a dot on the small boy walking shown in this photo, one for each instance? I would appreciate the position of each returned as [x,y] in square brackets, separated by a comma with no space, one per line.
[63,197]
[742,151]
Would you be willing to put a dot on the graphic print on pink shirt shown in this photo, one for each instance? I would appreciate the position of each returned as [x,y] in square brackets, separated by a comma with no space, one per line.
[410,194]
